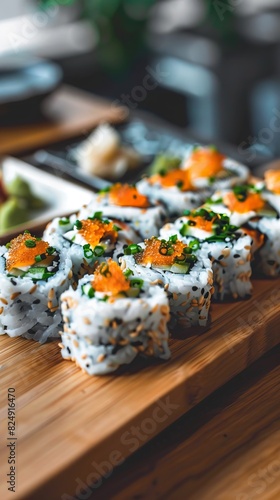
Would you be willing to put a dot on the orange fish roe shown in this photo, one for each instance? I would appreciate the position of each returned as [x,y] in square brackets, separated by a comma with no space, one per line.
[156,253]
[22,255]
[109,278]
[272,180]
[125,195]
[176,177]
[94,230]
[204,162]
[202,223]
[252,202]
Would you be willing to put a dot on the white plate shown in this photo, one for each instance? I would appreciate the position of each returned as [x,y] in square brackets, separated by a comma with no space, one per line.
[61,197]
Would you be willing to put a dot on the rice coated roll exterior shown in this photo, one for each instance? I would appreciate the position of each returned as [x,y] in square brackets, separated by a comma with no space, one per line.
[228,248]
[207,168]
[187,186]
[88,241]
[184,271]
[33,274]
[248,206]
[112,317]
[271,188]
[127,204]
[173,189]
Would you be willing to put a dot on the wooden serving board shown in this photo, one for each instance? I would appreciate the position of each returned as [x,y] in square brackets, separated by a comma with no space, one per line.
[71,427]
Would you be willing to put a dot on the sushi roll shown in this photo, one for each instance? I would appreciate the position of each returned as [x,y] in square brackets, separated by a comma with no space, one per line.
[33,274]
[173,189]
[183,270]
[271,188]
[228,248]
[111,318]
[208,169]
[248,207]
[125,203]
[88,241]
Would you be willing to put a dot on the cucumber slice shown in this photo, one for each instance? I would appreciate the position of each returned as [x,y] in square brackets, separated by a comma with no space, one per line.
[180,268]
[37,273]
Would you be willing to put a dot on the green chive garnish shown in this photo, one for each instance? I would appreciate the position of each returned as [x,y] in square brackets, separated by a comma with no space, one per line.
[98,251]
[30,243]
[64,221]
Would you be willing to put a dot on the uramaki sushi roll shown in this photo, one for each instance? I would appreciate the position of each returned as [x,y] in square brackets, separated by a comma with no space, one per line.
[228,248]
[127,204]
[184,271]
[249,207]
[88,241]
[33,274]
[207,168]
[112,317]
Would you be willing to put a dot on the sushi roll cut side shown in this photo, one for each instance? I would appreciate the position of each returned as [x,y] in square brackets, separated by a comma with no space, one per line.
[33,274]
[183,270]
[208,168]
[228,248]
[111,318]
[173,189]
[248,207]
[241,204]
[271,190]
[88,241]
[127,204]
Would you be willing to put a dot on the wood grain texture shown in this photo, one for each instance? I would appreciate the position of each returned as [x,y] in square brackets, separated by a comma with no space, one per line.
[69,112]
[226,448]
[67,422]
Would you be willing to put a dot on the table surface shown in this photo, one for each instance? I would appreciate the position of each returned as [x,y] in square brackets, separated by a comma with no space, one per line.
[228,447]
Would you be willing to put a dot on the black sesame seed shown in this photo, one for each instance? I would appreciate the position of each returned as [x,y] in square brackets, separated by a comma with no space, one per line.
[236,256]
[221,257]
[202,291]
[271,262]
[37,301]
[194,288]
[206,295]
[13,282]
[68,349]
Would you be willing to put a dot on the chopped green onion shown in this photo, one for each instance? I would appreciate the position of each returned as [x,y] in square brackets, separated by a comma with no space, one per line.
[128,272]
[173,238]
[64,222]
[97,215]
[104,269]
[98,251]
[137,282]
[117,228]
[88,252]
[195,245]
[78,224]
[30,243]
[51,250]
[8,245]
[132,249]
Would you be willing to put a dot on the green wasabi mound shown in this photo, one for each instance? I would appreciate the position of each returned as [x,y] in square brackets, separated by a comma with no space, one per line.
[19,188]
[12,213]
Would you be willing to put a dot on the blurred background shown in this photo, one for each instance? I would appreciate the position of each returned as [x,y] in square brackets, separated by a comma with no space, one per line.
[211,67]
